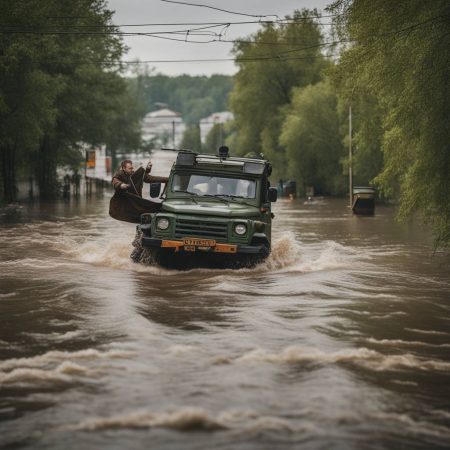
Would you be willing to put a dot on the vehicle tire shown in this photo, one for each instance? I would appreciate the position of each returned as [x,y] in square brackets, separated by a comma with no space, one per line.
[136,254]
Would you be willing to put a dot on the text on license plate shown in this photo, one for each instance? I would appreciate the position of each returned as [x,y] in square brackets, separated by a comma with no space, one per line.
[199,242]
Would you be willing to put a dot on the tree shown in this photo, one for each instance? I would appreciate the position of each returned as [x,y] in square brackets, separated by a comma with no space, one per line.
[401,52]
[60,87]
[367,132]
[191,138]
[194,97]
[84,65]
[124,122]
[27,92]
[271,63]
[310,134]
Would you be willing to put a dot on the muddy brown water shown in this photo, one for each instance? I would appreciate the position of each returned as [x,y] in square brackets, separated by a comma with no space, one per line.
[340,340]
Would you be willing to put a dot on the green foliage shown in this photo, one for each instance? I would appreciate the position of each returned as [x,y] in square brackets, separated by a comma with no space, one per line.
[264,88]
[217,137]
[310,134]
[59,89]
[191,138]
[27,92]
[401,53]
[195,97]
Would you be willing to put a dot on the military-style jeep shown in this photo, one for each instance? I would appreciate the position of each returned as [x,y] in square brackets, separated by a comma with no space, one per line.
[216,213]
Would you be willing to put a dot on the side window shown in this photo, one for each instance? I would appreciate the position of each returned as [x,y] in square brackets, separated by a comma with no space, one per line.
[180,182]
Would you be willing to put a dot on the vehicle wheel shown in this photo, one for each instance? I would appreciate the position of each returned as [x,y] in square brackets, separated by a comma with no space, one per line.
[148,257]
[136,254]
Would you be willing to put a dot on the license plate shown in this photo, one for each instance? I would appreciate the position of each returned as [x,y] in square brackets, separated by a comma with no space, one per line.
[199,242]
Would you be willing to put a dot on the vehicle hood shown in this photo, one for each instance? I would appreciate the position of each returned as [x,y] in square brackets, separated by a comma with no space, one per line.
[210,208]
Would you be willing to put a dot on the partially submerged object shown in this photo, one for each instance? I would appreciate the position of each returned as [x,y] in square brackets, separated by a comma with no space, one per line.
[363,200]
[216,212]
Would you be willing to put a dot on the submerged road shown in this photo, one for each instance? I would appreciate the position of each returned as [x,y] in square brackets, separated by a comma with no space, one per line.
[340,340]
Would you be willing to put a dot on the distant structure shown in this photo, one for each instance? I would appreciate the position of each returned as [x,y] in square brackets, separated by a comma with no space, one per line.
[98,164]
[208,123]
[164,126]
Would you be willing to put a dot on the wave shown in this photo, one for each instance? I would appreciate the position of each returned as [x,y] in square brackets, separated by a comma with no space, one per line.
[365,357]
[400,342]
[189,419]
[186,419]
[432,332]
[55,337]
[179,349]
[58,356]
[414,427]
[65,372]
[34,263]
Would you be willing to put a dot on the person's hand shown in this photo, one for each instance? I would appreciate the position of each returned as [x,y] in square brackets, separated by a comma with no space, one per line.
[149,166]
[124,186]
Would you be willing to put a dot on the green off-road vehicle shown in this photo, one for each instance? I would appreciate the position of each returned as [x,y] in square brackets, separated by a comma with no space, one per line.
[216,213]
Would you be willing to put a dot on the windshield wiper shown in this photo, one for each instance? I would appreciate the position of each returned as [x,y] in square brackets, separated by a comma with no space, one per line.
[192,193]
[215,196]
[234,197]
[231,196]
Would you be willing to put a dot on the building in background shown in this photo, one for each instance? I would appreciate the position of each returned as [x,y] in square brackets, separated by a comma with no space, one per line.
[164,126]
[207,123]
[98,165]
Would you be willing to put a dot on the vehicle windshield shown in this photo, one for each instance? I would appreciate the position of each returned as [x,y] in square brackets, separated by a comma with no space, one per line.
[213,185]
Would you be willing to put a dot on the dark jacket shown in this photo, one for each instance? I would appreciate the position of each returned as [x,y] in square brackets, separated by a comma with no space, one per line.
[128,204]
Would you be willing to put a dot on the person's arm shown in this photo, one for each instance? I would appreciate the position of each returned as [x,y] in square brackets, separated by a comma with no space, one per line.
[153,179]
[118,183]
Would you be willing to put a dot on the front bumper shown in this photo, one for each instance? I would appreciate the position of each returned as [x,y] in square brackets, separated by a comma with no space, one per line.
[178,246]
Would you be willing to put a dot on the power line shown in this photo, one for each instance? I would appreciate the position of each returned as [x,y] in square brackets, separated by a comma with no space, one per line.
[78,29]
[247,59]
[157,24]
[219,9]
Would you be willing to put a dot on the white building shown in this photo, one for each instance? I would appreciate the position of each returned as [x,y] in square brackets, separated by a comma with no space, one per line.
[164,125]
[207,123]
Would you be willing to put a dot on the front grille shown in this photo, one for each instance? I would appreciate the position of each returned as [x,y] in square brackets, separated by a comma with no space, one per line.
[199,228]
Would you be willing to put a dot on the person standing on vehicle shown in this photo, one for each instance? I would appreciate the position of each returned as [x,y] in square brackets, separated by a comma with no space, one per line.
[128,180]
[127,203]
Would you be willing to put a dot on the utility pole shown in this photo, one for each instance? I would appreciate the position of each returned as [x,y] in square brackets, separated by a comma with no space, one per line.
[220,134]
[350,174]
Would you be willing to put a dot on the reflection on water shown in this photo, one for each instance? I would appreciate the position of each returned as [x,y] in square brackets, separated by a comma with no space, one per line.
[340,339]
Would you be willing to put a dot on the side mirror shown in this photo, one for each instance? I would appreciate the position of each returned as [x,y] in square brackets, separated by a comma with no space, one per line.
[155,189]
[273,194]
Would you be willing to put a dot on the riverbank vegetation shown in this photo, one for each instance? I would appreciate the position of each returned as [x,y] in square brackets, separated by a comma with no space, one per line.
[194,97]
[60,86]
[386,63]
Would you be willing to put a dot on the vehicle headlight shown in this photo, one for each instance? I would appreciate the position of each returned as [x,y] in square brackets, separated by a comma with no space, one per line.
[162,223]
[240,229]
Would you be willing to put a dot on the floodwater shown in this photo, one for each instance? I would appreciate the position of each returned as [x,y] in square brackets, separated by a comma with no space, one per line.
[341,340]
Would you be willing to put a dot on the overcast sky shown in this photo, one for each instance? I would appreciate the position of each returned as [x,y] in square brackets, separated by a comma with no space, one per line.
[146,48]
